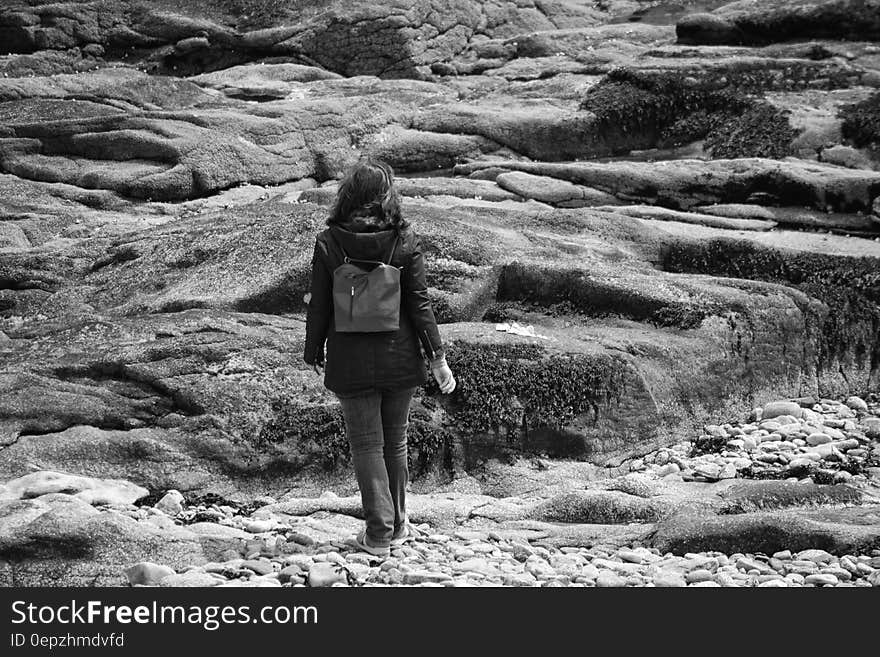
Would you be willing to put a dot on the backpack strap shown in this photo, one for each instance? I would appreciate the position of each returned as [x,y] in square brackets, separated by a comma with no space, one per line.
[393,247]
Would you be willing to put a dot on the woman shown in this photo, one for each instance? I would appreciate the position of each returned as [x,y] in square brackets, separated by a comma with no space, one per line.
[374,375]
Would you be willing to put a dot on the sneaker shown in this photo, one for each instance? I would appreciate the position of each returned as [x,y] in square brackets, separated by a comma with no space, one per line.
[402,535]
[376,551]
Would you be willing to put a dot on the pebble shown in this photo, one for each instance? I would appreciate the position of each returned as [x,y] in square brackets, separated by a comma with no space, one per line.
[632,556]
[777,408]
[290,572]
[424,576]
[821,579]
[816,556]
[699,575]
[146,573]
[669,580]
[260,567]
[668,469]
[171,503]
[259,526]
[323,574]
[857,404]
[519,579]
[818,439]
[820,442]
[609,579]
[191,579]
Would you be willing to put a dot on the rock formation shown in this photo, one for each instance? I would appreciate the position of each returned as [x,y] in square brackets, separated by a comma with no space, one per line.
[683,207]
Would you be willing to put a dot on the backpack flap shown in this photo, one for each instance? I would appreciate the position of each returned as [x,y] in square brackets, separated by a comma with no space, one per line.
[366,301]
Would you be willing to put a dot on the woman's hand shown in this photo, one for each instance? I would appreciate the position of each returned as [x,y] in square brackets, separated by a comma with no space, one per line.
[443,375]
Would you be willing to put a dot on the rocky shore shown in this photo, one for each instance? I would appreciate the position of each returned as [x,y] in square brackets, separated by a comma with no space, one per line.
[678,204]
[715,511]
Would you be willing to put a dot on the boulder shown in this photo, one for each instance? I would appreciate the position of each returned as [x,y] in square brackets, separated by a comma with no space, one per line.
[846,156]
[552,190]
[707,28]
[750,496]
[59,540]
[781,408]
[113,492]
[782,20]
[839,531]
[171,503]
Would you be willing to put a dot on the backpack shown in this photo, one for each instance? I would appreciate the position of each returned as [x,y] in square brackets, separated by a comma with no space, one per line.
[366,301]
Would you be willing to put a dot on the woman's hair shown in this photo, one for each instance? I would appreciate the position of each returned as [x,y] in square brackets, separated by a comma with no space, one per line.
[368,190]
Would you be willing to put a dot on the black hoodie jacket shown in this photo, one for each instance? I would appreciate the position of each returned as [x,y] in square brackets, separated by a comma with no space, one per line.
[362,361]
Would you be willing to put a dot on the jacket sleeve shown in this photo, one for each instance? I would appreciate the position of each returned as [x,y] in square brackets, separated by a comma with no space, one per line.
[318,312]
[418,305]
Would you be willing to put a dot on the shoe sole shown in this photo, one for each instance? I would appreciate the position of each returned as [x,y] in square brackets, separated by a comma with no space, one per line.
[369,549]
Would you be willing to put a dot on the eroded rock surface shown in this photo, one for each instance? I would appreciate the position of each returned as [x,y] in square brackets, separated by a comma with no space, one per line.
[638,225]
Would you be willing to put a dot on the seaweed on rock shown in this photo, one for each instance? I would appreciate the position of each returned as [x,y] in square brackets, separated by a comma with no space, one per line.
[675,109]
[515,387]
[861,122]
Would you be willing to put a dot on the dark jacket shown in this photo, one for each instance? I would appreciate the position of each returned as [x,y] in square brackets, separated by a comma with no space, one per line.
[360,361]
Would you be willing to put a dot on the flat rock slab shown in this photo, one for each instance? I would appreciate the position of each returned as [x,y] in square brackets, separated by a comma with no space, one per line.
[782,20]
[89,489]
[792,216]
[572,534]
[673,183]
[60,540]
[598,507]
[552,190]
[665,214]
[839,531]
[747,496]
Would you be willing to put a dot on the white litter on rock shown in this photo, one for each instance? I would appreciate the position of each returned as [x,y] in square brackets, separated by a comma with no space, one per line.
[519,329]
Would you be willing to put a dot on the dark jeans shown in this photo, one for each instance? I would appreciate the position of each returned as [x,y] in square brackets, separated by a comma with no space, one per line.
[375,426]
